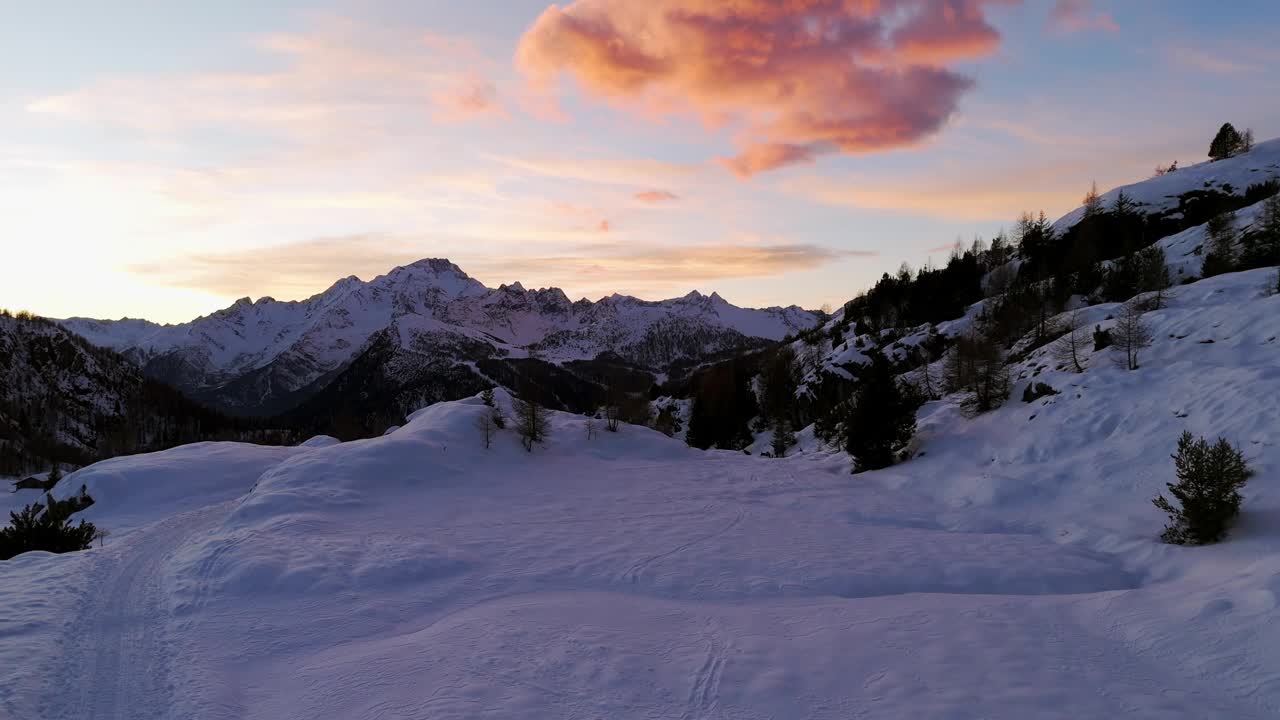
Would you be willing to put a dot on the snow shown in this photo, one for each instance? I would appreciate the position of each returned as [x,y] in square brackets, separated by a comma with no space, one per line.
[1231,175]
[1011,569]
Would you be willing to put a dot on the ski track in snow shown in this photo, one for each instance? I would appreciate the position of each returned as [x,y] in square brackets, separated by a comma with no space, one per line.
[120,645]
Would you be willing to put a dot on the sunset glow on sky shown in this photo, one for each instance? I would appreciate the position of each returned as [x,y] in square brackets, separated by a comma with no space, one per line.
[160,160]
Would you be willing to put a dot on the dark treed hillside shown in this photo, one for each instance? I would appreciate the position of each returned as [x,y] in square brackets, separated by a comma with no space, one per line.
[68,402]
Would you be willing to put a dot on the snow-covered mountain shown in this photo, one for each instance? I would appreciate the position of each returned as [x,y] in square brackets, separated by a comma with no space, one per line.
[267,356]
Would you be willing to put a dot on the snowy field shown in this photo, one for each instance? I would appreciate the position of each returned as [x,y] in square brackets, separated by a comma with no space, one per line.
[1012,570]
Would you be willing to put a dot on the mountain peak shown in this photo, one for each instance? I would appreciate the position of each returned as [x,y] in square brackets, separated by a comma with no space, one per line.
[437,265]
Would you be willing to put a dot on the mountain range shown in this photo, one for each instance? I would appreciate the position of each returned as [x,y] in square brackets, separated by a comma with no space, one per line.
[427,320]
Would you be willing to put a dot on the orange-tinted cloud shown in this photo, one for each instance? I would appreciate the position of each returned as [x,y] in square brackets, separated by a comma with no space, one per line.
[657,197]
[1070,16]
[793,78]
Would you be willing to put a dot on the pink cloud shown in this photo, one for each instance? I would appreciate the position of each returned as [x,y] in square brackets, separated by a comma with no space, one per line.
[469,99]
[793,79]
[657,197]
[1070,16]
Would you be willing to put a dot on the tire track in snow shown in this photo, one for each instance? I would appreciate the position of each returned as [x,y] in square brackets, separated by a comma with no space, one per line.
[118,649]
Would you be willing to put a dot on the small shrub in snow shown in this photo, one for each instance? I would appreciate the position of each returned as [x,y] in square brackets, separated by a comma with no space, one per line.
[1208,490]
[1035,391]
[1101,338]
[37,527]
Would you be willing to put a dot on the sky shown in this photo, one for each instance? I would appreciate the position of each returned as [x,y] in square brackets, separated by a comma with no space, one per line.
[160,160]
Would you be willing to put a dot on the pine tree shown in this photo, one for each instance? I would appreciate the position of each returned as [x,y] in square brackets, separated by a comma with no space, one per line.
[1226,143]
[1154,275]
[1246,140]
[1262,245]
[881,419]
[783,438]
[1208,489]
[1124,205]
[486,396]
[1221,255]
[1092,203]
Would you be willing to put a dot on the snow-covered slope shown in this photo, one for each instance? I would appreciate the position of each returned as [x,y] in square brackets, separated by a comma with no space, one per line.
[1164,193]
[268,355]
[1011,569]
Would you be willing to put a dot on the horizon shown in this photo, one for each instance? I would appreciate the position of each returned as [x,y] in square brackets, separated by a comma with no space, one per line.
[261,298]
[163,163]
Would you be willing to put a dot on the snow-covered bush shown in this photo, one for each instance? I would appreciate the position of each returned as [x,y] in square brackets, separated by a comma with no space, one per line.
[1208,488]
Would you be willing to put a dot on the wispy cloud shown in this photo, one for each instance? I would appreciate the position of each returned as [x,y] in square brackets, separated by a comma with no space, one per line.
[1212,62]
[657,197]
[975,200]
[339,79]
[301,269]
[604,170]
[793,80]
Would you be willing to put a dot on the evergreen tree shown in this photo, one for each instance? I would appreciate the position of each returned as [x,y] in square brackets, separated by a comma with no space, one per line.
[1092,203]
[783,438]
[881,419]
[1220,256]
[1226,143]
[1208,489]
[486,396]
[1154,275]
[1262,244]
